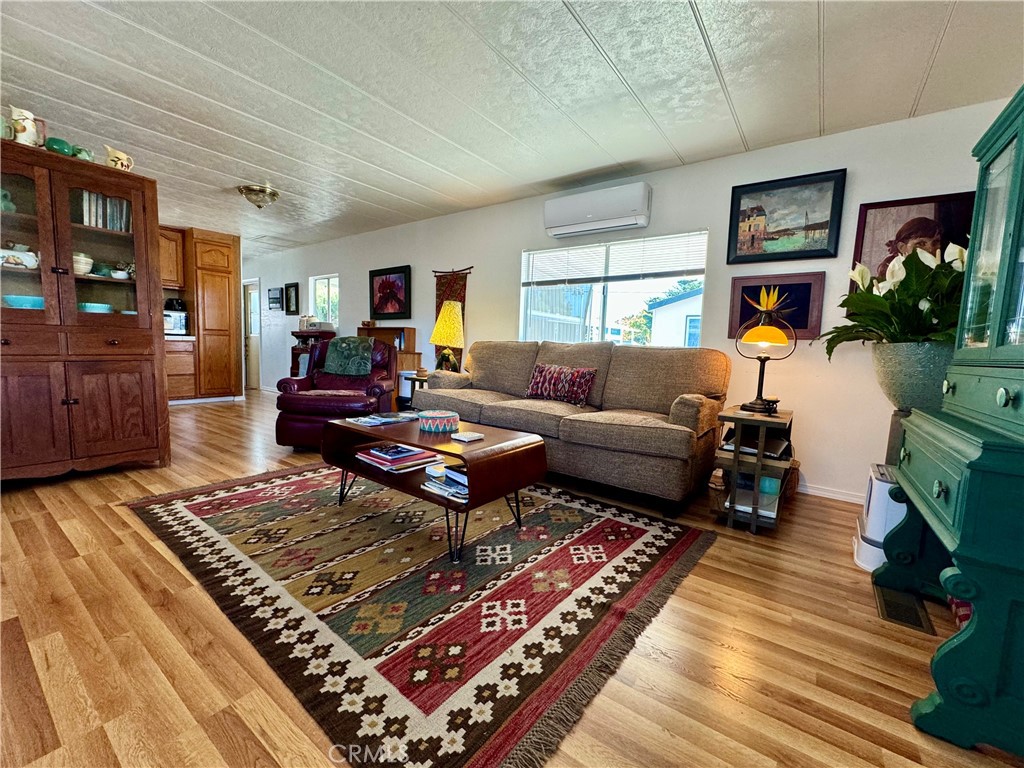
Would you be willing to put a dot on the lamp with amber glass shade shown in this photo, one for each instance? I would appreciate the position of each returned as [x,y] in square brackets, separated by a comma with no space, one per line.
[448,333]
[765,336]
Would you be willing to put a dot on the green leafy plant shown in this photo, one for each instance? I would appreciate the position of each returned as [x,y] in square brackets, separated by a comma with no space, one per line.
[919,300]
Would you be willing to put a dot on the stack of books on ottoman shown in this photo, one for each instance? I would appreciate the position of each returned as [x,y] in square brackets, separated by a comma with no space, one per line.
[450,481]
[394,457]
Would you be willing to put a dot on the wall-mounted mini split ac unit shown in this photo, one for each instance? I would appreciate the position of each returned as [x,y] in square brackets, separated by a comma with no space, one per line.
[600,210]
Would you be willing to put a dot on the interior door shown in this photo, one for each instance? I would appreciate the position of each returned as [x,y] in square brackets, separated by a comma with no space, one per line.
[252,336]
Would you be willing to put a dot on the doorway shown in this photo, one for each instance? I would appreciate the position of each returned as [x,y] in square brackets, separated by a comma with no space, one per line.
[252,334]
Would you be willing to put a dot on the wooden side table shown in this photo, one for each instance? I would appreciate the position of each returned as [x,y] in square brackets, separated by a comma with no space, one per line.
[416,382]
[768,455]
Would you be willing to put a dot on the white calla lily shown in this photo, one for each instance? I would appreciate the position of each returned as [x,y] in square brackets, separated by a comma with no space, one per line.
[928,259]
[861,275]
[924,305]
[955,256]
[895,272]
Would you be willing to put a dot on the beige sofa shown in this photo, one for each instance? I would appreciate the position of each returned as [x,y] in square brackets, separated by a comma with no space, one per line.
[650,423]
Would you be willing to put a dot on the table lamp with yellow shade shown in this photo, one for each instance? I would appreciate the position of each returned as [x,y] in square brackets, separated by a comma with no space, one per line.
[448,333]
[765,336]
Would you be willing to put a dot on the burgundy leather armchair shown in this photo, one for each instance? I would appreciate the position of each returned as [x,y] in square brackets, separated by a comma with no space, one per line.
[308,402]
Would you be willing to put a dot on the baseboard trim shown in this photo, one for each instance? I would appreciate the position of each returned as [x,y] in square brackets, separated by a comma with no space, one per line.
[204,400]
[831,493]
[269,389]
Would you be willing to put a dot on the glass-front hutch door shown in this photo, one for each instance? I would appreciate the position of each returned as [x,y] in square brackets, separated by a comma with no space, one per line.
[30,293]
[992,325]
[101,242]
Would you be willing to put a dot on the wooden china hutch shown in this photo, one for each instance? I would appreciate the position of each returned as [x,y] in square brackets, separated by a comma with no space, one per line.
[81,324]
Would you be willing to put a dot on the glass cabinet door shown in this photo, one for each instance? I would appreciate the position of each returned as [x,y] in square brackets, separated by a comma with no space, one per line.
[101,241]
[26,251]
[987,243]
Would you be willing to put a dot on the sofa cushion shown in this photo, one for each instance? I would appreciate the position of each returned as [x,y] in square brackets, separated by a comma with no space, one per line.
[465,402]
[630,431]
[559,382]
[502,366]
[542,417]
[651,378]
[591,354]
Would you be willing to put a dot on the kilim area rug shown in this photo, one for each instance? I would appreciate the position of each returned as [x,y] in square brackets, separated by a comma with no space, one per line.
[403,658]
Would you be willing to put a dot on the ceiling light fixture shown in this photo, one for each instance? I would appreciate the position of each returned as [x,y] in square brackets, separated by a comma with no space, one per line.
[259,195]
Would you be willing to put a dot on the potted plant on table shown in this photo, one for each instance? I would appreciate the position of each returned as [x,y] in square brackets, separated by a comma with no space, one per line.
[911,316]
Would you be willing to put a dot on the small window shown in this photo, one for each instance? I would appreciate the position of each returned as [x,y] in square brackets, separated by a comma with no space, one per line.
[692,331]
[323,291]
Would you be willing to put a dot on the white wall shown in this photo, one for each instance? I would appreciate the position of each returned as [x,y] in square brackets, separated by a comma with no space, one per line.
[841,418]
[668,322]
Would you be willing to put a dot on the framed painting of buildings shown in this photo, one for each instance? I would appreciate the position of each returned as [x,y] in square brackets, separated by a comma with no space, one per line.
[793,218]
[800,301]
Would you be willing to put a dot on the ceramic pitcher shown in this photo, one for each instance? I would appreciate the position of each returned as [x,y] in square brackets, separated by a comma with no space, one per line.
[118,159]
[26,130]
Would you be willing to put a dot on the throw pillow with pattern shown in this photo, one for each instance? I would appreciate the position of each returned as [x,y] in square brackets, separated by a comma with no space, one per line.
[559,382]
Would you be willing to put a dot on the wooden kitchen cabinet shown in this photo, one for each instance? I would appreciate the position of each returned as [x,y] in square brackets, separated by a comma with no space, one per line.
[180,364]
[81,351]
[172,258]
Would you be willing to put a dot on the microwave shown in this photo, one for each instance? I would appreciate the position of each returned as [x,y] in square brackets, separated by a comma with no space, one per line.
[175,323]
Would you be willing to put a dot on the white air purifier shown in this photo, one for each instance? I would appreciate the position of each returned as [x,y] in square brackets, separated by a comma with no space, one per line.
[881,514]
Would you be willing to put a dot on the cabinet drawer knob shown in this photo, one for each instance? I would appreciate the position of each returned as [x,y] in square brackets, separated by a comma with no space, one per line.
[5,342]
[113,342]
[904,454]
[939,490]
[948,387]
[1005,396]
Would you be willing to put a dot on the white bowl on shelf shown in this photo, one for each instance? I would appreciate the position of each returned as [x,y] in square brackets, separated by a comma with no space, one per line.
[119,274]
[82,264]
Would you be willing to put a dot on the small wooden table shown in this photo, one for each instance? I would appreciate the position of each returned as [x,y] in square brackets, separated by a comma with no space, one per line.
[496,467]
[758,464]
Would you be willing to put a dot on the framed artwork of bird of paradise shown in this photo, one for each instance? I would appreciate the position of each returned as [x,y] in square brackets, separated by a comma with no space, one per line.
[797,298]
[390,293]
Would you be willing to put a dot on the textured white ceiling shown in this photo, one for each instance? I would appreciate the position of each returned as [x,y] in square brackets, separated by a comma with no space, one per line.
[371,114]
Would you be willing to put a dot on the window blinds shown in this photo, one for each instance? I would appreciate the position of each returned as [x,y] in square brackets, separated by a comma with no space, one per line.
[668,256]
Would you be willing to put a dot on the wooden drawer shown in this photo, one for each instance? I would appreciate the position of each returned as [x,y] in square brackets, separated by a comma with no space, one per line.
[179,364]
[35,341]
[179,387]
[110,342]
[934,475]
[179,346]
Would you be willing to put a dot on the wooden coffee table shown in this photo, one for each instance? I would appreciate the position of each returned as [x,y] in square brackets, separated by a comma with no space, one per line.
[497,467]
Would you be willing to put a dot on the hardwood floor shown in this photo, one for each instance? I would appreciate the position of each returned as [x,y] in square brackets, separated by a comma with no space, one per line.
[769,654]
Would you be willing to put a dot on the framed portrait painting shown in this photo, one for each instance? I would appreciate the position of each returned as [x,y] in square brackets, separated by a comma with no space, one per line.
[800,300]
[390,297]
[793,218]
[893,228]
[291,298]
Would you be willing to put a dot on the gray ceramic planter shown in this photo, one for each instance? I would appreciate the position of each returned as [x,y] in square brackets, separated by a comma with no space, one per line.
[910,374]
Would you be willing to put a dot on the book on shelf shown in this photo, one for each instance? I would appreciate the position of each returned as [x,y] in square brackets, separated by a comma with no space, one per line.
[767,504]
[402,465]
[457,472]
[445,490]
[393,451]
[774,447]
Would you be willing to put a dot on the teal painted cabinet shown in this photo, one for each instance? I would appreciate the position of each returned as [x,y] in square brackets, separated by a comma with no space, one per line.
[961,470]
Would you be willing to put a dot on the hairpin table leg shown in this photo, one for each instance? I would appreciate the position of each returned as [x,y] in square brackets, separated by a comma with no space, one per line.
[343,490]
[456,538]
[516,512]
